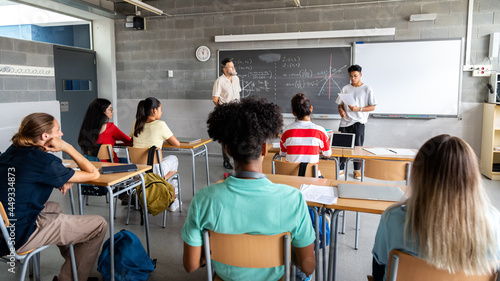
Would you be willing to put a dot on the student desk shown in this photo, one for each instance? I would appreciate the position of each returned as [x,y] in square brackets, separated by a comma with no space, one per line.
[336,154]
[359,153]
[107,181]
[366,206]
[356,205]
[196,148]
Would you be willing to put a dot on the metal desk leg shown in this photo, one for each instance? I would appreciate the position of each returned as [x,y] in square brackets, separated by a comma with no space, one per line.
[337,168]
[80,201]
[316,246]
[325,264]
[332,260]
[146,220]
[111,232]
[194,170]
[206,163]
[71,202]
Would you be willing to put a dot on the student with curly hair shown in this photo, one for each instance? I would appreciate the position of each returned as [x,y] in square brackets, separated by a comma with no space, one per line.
[37,172]
[247,202]
[302,141]
[447,219]
[96,129]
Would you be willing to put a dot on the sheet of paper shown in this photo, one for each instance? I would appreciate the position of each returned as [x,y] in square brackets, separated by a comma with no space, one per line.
[319,194]
[379,151]
[347,99]
[402,151]
[66,164]
[276,145]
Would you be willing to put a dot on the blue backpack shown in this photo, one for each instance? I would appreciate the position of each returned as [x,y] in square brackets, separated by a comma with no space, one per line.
[321,218]
[131,260]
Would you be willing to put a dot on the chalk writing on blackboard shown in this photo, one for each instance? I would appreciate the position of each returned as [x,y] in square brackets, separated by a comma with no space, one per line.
[279,74]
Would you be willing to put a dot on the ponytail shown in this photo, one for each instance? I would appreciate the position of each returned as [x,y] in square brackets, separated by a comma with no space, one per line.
[301,106]
[144,109]
[31,129]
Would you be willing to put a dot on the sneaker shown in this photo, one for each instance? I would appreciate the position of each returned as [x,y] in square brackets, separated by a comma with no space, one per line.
[174,206]
[357,175]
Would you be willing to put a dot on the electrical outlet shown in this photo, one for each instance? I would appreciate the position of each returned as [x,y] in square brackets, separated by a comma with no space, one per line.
[481,73]
[482,67]
[170,73]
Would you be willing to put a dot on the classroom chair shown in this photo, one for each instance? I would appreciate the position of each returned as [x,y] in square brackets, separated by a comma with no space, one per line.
[405,267]
[292,169]
[246,250]
[386,170]
[26,258]
[105,152]
[140,156]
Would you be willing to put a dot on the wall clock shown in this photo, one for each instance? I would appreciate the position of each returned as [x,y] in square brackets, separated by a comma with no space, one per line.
[203,53]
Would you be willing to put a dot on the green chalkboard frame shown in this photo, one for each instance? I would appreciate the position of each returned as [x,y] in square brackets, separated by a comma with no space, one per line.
[278,74]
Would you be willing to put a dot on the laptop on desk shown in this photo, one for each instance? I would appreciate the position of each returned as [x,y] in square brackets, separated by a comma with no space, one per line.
[343,140]
[371,192]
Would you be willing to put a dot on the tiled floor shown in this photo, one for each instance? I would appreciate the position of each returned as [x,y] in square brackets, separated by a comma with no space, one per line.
[167,244]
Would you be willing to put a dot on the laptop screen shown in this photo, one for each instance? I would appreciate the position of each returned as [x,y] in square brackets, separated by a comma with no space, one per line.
[343,140]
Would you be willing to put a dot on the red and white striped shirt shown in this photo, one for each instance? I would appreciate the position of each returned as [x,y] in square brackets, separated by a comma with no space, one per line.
[302,141]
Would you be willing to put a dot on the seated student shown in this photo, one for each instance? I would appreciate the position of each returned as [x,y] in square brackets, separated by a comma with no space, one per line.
[97,130]
[247,202]
[36,173]
[303,140]
[447,219]
[149,130]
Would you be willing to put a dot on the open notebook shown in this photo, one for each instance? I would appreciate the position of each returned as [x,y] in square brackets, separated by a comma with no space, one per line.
[371,192]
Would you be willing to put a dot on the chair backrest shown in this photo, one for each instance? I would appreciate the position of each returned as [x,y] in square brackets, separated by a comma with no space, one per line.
[4,223]
[292,169]
[246,250]
[106,152]
[137,155]
[405,267]
[387,170]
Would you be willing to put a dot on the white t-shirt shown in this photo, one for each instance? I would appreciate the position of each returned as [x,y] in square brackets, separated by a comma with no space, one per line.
[154,133]
[226,90]
[363,95]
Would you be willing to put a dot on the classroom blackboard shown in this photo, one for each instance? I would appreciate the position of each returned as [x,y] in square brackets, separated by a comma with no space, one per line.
[278,74]
[413,78]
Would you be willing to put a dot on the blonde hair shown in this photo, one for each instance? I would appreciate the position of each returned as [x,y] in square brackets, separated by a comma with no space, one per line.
[31,129]
[449,210]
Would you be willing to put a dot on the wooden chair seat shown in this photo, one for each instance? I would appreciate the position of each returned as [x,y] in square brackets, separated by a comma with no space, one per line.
[405,267]
[246,250]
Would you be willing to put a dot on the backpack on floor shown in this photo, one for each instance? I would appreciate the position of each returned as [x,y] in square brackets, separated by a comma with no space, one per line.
[131,260]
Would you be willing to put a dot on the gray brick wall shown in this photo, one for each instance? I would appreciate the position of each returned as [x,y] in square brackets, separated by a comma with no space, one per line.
[14,88]
[143,57]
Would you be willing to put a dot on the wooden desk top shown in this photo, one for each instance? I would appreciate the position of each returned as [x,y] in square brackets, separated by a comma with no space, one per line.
[358,205]
[359,152]
[110,179]
[190,145]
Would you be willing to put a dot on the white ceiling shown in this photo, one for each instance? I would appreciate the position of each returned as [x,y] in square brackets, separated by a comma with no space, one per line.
[17,14]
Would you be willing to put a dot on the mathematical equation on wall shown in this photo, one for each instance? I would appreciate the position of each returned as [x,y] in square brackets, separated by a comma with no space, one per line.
[278,74]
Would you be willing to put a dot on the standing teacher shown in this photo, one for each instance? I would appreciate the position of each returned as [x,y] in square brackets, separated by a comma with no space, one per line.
[226,89]
[354,117]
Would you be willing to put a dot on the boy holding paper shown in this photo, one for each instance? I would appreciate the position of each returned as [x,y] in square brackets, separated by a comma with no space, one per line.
[355,115]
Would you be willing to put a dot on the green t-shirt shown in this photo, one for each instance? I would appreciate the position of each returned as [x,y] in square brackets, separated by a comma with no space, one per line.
[253,206]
